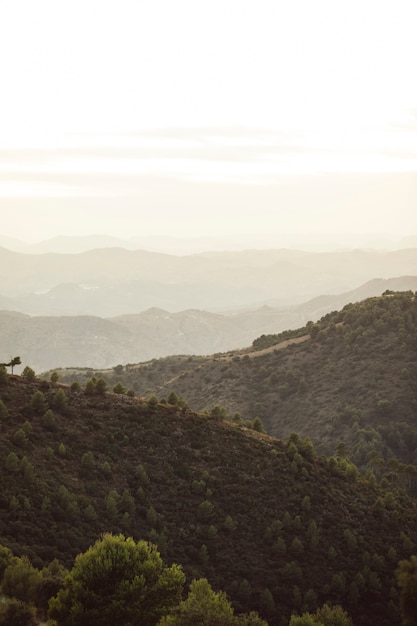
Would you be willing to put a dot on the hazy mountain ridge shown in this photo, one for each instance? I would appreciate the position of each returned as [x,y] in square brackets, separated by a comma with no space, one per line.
[72,244]
[116,281]
[88,341]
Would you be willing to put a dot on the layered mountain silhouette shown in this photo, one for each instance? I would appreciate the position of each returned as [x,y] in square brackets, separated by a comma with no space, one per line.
[48,342]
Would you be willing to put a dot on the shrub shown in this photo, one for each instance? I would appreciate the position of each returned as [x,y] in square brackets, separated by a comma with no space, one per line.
[17,613]
[60,401]
[19,438]
[4,412]
[28,373]
[119,389]
[48,420]
[38,402]
[101,386]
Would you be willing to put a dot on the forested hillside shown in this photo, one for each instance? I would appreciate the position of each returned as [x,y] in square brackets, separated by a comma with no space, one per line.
[280,529]
[348,382]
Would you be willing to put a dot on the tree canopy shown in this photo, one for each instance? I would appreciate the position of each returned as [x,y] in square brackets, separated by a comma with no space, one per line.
[117,581]
[324,616]
[208,607]
[407,582]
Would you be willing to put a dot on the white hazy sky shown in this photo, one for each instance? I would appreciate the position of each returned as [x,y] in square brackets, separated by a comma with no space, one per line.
[192,117]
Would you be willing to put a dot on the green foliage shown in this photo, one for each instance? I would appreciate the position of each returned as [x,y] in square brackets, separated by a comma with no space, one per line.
[172,398]
[6,557]
[229,523]
[90,387]
[28,373]
[208,607]
[306,504]
[17,613]
[38,402]
[296,546]
[48,420]
[173,462]
[27,428]
[14,361]
[257,425]
[250,619]
[202,605]
[4,412]
[205,509]
[52,579]
[153,401]
[267,604]
[324,616]
[141,475]
[219,412]
[88,462]
[3,374]
[20,580]
[407,583]
[60,401]
[106,469]
[19,438]
[54,377]
[119,388]
[101,386]
[117,581]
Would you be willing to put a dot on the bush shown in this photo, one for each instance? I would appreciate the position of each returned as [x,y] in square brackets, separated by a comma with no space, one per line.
[17,613]
[38,402]
[90,387]
[117,581]
[60,402]
[101,386]
[119,389]
[3,375]
[4,412]
[28,373]
[48,420]
[19,438]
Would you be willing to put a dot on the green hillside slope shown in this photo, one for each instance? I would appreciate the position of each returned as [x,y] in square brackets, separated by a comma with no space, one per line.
[348,382]
[257,516]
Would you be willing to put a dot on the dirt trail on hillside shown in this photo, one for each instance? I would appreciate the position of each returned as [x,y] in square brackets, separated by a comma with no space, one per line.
[276,346]
[251,355]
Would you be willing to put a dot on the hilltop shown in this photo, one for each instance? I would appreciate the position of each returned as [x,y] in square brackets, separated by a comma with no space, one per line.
[347,382]
[279,528]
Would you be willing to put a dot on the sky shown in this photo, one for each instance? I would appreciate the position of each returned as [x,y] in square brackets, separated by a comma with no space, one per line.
[186,118]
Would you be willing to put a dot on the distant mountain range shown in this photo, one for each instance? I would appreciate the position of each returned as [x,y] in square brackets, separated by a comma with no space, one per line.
[106,306]
[67,244]
[47,342]
[113,281]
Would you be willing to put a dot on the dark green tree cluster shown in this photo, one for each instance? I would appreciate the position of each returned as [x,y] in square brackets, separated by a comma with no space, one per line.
[120,581]
[96,386]
[407,582]
[25,589]
[324,616]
